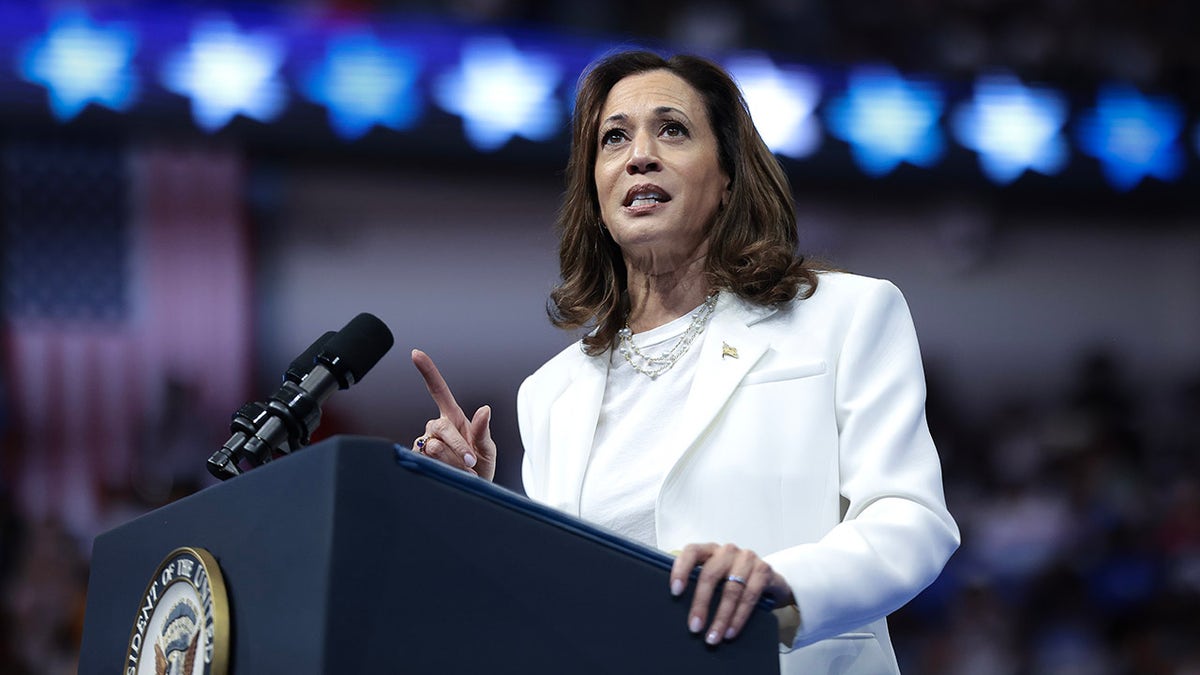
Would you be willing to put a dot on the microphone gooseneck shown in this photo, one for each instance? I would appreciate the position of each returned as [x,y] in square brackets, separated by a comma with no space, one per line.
[285,422]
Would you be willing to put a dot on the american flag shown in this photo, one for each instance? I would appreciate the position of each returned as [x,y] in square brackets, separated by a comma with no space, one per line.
[126,281]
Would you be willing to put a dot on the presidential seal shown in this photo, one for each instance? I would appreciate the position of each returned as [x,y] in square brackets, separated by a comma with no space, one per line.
[182,624]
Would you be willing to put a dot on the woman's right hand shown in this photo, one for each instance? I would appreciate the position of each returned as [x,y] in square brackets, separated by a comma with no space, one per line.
[452,438]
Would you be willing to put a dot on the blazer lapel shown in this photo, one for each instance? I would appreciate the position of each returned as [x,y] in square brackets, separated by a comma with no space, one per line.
[573,418]
[728,351]
[574,414]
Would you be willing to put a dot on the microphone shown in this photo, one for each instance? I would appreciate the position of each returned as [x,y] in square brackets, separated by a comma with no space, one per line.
[285,422]
[302,365]
[252,416]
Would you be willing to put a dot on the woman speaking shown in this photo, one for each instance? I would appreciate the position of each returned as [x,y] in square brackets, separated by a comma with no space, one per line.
[756,416]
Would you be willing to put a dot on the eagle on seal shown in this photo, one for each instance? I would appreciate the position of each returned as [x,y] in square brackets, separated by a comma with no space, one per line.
[175,650]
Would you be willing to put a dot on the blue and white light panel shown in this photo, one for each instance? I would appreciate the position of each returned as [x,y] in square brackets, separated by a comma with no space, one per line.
[783,103]
[1133,136]
[364,83]
[226,72]
[501,92]
[402,77]
[1013,128]
[888,120]
[80,62]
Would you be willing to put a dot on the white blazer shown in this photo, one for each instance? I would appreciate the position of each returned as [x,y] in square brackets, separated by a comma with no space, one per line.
[809,447]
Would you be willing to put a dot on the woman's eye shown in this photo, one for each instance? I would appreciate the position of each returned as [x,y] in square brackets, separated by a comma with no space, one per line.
[611,136]
[674,129]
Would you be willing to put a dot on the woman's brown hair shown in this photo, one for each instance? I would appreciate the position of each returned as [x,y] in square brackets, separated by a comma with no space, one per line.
[752,242]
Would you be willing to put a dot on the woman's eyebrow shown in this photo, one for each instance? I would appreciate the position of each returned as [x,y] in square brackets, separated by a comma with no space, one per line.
[659,111]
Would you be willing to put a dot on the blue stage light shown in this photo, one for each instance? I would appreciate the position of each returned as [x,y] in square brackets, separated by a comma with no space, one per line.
[1013,128]
[226,73]
[501,92]
[363,82]
[369,71]
[887,120]
[79,62]
[782,102]
[1133,136]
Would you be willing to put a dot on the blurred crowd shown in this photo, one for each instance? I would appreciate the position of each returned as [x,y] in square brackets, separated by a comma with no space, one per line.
[44,562]
[1081,535]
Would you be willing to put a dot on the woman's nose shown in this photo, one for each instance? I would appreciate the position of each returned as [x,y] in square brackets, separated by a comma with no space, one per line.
[643,156]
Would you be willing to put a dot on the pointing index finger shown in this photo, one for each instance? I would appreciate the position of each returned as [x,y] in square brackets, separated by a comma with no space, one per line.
[438,389]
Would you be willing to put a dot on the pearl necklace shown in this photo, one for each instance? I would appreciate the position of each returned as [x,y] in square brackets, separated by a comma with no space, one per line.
[653,366]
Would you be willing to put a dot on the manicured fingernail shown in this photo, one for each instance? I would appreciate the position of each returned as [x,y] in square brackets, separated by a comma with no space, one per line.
[696,624]
[729,633]
[469,459]
[676,587]
[712,638]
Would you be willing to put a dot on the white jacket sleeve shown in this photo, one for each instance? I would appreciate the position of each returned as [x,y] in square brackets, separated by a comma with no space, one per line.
[896,533]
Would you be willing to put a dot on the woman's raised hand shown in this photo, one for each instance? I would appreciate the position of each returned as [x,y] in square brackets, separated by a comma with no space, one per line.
[452,438]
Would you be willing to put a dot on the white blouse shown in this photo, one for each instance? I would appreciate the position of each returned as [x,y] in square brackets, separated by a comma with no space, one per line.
[625,469]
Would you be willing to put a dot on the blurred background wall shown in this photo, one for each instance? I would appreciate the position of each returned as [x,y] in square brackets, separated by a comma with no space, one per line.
[166,255]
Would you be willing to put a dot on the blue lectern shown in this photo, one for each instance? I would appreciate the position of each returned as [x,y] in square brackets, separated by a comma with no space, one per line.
[358,556]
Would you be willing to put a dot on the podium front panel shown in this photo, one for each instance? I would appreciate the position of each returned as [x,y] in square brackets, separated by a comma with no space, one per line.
[352,557]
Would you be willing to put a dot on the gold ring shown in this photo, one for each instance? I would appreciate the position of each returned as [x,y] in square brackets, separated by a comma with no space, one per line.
[419,445]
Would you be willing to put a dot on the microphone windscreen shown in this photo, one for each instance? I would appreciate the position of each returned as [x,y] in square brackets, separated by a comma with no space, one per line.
[304,363]
[359,346]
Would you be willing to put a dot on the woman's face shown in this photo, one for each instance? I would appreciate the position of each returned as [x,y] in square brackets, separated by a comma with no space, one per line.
[658,177]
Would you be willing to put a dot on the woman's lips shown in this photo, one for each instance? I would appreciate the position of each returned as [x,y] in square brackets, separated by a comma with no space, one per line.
[645,194]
